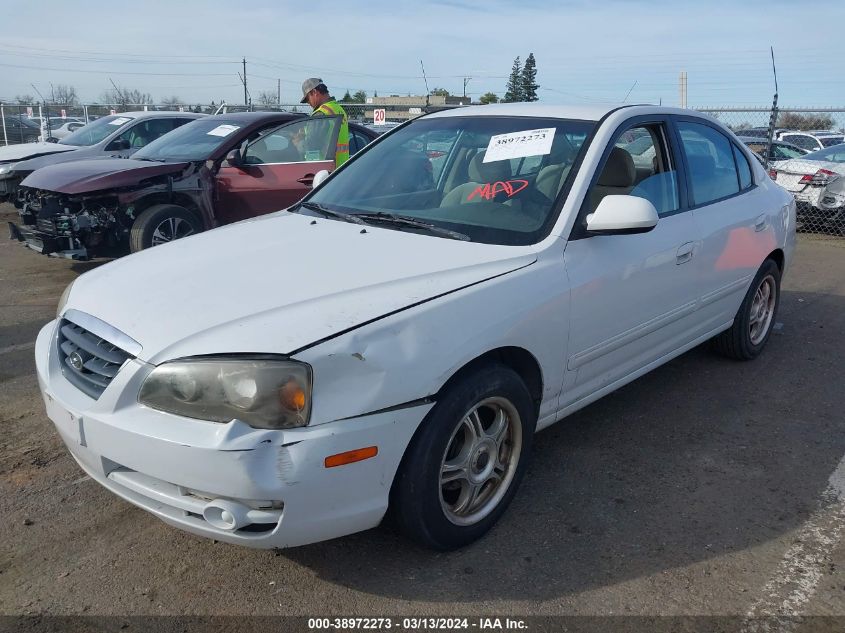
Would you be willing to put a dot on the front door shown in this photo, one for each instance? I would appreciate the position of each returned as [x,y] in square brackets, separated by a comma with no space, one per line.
[633,297]
[276,169]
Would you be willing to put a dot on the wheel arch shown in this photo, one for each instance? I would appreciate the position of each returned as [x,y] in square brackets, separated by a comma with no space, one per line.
[178,199]
[519,359]
[778,257]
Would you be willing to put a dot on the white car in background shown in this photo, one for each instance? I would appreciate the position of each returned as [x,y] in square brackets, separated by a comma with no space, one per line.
[813,140]
[817,180]
[60,128]
[393,342]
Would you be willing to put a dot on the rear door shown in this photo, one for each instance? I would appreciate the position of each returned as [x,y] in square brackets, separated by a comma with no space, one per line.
[277,168]
[732,214]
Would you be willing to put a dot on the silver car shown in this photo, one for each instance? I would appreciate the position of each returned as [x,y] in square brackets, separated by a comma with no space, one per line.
[115,135]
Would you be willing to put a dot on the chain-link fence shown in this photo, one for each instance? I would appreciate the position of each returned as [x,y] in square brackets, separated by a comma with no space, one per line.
[817,182]
[806,157]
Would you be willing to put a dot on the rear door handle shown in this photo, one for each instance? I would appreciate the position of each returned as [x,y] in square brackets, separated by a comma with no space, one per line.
[307,180]
[685,253]
[760,223]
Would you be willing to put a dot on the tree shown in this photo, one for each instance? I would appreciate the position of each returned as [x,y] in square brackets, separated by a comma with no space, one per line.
[65,95]
[513,91]
[798,121]
[126,96]
[267,98]
[171,101]
[488,97]
[25,99]
[439,92]
[528,79]
[359,97]
[346,97]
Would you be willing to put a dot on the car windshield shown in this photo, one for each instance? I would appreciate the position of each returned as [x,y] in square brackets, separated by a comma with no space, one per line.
[493,179]
[835,154]
[96,131]
[196,140]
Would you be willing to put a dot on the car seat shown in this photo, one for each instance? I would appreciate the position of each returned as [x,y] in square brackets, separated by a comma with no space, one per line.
[480,174]
[617,177]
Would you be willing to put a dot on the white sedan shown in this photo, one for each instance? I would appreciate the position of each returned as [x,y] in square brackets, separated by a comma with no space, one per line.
[393,342]
[817,180]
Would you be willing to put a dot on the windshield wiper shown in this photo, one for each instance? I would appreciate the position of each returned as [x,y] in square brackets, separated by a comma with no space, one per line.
[331,213]
[403,220]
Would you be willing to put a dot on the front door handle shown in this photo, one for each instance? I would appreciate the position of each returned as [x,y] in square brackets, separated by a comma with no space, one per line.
[685,253]
[307,180]
[760,223]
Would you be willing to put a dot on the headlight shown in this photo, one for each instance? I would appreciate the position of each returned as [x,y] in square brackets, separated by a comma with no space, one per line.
[5,168]
[266,394]
[63,299]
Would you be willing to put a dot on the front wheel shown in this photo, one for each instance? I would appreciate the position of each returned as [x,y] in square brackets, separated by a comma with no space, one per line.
[162,223]
[466,461]
[755,319]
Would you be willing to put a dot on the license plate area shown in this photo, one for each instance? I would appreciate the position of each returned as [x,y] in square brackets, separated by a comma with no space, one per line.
[68,422]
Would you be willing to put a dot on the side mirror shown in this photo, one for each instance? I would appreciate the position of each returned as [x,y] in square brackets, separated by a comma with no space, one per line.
[319,178]
[52,139]
[234,158]
[622,215]
[118,145]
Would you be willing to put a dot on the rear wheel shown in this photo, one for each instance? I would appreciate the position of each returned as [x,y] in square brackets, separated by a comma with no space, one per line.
[755,319]
[466,461]
[162,223]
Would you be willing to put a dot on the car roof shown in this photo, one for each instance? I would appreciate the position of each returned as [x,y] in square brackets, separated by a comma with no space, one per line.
[577,112]
[256,117]
[157,114]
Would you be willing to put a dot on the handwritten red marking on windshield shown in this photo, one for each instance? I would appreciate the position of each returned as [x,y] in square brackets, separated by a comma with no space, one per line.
[489,191]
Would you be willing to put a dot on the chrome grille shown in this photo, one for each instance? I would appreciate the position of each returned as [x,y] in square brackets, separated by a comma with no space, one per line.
[88,361]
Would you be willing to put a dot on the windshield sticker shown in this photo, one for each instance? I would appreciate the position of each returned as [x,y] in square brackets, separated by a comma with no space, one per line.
[223,130]
[120,120]
[313,154]
[519,144]
[488,191]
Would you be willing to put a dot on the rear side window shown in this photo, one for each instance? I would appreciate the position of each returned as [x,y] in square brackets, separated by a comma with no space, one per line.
[801,140]
[743,169]
[710,159]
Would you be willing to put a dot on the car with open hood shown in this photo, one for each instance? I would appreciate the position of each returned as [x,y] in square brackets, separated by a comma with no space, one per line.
[118,135]
[392,342]
[208,173]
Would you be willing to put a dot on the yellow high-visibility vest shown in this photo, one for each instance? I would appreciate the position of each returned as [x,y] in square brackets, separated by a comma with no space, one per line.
[332,108]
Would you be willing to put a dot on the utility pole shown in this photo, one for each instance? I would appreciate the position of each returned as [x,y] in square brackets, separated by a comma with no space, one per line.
[466,81]
[682,88]
[278,92]
[246,103]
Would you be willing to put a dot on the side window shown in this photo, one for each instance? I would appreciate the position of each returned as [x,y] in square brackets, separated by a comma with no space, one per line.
[147,131]
[802,141]
[639,164]
[357,142]
[743,169]
[712,170]
[306,140]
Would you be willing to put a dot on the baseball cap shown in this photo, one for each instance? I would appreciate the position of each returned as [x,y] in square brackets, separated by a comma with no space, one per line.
[308,85]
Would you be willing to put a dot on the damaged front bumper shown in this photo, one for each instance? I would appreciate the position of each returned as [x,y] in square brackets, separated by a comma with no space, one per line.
[255,487]
[46,243]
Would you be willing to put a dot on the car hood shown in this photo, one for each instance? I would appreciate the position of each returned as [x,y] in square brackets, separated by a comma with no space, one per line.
[277,284]
[94,175]
[83,153]
[31,150]
[803,166]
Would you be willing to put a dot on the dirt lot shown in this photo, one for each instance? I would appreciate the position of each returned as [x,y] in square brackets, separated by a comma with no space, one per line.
[708,487]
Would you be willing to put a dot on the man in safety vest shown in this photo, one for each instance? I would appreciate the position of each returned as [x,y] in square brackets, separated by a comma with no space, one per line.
[316,94]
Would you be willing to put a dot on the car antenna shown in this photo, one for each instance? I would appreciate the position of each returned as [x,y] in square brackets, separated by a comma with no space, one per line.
[426,86]
[774,116]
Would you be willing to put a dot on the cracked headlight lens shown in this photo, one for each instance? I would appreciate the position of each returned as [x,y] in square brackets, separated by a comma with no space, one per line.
[266,394]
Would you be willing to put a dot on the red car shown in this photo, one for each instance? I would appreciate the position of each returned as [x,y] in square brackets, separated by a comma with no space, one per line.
[207,173]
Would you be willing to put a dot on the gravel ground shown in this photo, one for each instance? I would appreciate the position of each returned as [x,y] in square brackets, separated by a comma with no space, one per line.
[707,487]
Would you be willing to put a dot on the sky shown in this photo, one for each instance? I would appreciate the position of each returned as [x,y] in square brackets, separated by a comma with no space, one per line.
[586,52]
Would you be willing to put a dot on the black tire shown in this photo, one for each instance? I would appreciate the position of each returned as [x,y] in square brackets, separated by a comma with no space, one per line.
[155,224]
[741,341]
[421,504]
